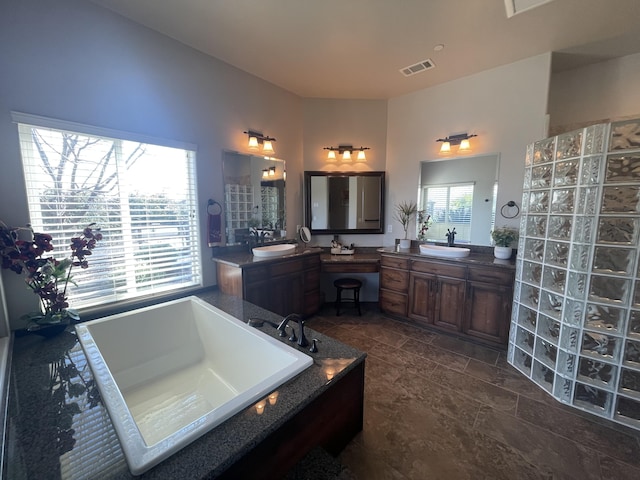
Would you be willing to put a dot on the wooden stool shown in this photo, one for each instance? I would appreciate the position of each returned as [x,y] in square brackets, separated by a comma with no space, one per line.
[348,284]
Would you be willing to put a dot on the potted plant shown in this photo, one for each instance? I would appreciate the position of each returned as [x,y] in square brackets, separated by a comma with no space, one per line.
[26,252]
[502,238]
[404,212]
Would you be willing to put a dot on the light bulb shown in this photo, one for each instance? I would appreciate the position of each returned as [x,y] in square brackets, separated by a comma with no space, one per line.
[253,143]
[346,155]
[267,147]
[331,156]
[464,146]
[361,156]
[445,148]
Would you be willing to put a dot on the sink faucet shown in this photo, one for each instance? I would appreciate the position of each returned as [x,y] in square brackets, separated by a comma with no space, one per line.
[302,340]
[259,236]
[451,236]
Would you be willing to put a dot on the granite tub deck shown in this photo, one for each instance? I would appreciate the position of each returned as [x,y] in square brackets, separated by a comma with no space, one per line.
[57,426]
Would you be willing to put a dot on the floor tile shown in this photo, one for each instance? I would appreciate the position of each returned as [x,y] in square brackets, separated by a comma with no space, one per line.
[539,446]
[484,392]
[437,407]
[436,354]
[600,438]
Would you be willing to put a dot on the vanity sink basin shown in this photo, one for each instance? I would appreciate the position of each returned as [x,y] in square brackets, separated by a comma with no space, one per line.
[444,252]
[274,250]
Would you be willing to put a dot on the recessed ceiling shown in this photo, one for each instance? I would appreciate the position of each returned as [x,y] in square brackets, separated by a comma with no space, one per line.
[355,48]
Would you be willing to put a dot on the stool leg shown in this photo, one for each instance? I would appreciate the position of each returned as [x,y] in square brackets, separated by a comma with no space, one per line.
[338,298]
[356,296]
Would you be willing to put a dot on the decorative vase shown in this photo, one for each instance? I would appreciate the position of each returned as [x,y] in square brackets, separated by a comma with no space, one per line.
[405,243]
[502,253]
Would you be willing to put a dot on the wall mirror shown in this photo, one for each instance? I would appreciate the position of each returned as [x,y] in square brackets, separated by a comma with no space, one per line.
[344,202]
[460,193]
[254,196]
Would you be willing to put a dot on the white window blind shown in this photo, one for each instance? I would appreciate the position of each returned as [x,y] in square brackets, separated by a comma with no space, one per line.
[142,196]
[450,206]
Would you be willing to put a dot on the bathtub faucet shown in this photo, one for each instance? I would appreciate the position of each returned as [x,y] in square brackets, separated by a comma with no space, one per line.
[302,340]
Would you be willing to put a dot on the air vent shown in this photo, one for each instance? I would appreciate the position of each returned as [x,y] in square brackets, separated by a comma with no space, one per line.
[417,67]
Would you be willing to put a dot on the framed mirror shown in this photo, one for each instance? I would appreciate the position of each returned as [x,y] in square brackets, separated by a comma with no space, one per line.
[344,202]
[254,196]
[459,193]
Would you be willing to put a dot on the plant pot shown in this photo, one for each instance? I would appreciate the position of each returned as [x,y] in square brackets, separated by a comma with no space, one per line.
[405,244]
[49,331]
[502,253]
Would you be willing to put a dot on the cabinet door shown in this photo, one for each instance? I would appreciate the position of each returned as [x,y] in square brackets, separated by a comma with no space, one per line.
[287,294]
[257,293]
[450,294]
[422,301]
[488,311]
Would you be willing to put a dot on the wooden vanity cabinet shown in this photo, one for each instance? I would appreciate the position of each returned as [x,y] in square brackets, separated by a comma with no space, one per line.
[290,285]
[469,300]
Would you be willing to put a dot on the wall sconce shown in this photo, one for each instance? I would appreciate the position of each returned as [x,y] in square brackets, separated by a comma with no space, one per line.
[345,151]
[256,138]
[269,172]
[462,140]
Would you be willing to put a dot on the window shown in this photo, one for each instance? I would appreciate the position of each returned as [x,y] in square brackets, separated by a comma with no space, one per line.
[449,207]
[141,194]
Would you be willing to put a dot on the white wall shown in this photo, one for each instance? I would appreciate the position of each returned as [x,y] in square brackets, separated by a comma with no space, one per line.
[594,93]
[505,107]
[75,61]
[331,122]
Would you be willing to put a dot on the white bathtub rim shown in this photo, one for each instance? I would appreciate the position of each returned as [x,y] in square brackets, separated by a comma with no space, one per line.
[141,457]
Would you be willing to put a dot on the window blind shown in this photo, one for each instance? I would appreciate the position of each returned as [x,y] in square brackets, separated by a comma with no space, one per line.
[141,195]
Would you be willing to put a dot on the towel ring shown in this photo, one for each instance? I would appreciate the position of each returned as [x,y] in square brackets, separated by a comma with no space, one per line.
[510,204]
[213,207]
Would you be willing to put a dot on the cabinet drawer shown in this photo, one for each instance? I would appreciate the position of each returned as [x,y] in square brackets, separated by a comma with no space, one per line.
[394,262]
[435,268]
[285,268]
[311,261]
[255,274]
[491,275]
[392,302]
[394,279]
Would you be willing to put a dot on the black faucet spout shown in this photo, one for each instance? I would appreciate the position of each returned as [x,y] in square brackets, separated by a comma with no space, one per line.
[302,339]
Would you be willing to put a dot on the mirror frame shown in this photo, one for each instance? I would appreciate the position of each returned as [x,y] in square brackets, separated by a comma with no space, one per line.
[329,231]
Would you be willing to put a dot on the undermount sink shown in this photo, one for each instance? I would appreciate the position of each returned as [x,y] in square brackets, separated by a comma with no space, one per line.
[274,250]
[444,252]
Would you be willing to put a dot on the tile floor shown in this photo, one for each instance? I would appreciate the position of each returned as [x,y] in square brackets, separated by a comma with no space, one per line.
[437,407]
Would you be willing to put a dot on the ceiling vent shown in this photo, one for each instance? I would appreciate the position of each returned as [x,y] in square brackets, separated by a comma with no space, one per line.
[417,67]
[518,6]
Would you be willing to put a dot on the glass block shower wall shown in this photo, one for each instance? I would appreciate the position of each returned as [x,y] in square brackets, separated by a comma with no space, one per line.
[575,328]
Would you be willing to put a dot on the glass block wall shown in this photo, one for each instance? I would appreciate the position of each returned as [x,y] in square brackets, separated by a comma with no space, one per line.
[575,328]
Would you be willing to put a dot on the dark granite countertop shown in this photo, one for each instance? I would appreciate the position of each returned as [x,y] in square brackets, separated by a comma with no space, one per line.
[478,256]
[357,257]
[245,258]
[58,428]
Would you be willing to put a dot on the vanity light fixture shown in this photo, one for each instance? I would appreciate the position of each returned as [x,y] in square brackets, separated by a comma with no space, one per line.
[257,138]
[269,172]
[345,151]
[461,139]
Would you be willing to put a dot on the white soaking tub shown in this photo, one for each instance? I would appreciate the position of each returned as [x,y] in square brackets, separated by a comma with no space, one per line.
[169,373]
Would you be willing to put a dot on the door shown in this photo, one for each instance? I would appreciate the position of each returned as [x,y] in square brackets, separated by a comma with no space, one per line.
[488,312]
